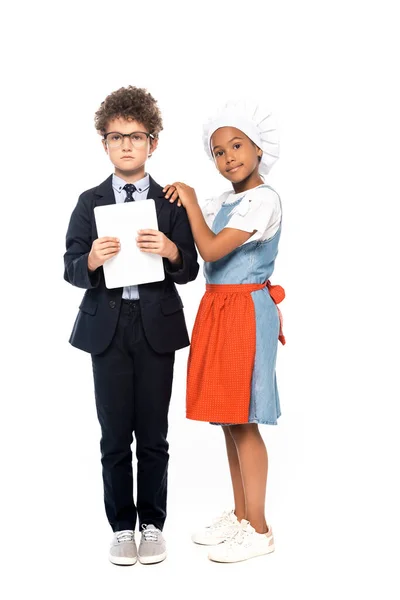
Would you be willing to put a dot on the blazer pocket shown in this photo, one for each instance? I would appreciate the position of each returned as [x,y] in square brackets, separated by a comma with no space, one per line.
[171,305]
[88,306]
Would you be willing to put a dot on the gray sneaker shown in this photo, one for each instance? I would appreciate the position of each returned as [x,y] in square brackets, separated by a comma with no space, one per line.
[152,548]
[123,549]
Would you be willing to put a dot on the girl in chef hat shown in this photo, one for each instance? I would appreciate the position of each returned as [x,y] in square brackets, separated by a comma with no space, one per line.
[231,367]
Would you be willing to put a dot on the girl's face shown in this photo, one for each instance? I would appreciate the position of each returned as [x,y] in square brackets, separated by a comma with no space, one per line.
[236,156]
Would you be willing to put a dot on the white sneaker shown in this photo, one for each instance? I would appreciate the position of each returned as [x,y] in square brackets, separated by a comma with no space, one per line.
[123,549]
[245,544]
[220,530]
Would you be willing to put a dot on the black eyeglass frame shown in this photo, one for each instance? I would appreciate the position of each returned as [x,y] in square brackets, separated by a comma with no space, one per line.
[123,135]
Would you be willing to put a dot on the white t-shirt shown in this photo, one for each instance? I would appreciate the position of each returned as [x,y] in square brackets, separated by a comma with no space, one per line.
[259,210]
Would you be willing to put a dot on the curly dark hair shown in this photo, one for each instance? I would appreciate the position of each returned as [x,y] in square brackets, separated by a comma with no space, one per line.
[130,103]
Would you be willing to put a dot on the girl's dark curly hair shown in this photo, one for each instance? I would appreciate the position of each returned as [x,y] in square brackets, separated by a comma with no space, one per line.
[130,103]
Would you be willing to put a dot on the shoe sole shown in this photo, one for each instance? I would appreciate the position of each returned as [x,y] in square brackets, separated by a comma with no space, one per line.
[122,561]
[226,560]
[208,542]
[152,560]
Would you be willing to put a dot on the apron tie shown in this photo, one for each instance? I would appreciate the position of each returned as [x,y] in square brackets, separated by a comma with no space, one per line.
[277,294]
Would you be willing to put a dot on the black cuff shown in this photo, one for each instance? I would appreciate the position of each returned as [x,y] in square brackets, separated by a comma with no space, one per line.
[94,277]
[171,268]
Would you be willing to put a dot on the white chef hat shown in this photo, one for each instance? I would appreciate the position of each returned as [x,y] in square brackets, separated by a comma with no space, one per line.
[254,121]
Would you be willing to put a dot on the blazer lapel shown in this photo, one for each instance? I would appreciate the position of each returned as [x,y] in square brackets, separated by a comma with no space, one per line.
[156,193]
[105,193]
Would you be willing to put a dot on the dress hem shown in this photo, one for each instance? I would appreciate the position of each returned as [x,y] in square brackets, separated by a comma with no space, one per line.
[255,421]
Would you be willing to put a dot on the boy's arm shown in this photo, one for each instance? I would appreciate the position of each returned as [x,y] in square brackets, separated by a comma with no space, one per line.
[78,244]
[182,237]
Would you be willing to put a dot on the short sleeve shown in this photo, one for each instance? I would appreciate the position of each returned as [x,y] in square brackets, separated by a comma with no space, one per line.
[259,211]
[211,207]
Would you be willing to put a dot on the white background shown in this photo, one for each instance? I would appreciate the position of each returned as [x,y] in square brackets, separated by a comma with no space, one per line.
[329,72]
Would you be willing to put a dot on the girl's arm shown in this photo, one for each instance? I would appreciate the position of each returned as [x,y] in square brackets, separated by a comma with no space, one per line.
[211,246]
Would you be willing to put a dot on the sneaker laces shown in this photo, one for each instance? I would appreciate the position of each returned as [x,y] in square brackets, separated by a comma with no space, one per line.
[150,533]
[240,535]
[224,519]
[124,536]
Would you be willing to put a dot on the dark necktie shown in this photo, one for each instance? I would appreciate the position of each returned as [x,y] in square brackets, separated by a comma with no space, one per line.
[129,188]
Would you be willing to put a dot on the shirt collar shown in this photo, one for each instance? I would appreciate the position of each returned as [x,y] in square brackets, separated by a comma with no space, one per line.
[142,185]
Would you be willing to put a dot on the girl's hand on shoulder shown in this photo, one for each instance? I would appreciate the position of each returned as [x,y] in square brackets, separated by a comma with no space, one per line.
[181,192]
[171,194]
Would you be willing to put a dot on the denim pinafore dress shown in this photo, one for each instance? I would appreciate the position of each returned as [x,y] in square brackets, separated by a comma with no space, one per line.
[231,367]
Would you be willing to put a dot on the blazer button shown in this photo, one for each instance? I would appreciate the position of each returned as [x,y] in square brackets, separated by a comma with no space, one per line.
[111,304]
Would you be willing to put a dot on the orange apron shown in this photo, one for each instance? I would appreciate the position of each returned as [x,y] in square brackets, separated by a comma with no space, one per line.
[222,352]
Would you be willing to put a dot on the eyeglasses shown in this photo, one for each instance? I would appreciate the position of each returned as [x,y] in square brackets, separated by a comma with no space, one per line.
[138,139]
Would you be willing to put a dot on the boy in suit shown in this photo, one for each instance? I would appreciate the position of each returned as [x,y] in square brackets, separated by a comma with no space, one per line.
[131,333]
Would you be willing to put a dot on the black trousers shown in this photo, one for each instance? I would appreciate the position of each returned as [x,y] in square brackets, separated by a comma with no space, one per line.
[133,389]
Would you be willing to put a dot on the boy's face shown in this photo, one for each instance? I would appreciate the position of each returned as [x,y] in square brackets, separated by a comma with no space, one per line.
[235,155]
[128,155]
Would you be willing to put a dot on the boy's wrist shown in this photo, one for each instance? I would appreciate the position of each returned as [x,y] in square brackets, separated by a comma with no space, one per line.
[175,256]
[91,266]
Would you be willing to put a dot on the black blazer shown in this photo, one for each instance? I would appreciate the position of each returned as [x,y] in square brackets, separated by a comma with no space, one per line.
[161,307]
